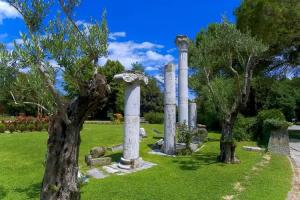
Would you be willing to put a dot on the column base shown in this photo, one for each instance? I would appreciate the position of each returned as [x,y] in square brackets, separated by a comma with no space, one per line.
[130,164]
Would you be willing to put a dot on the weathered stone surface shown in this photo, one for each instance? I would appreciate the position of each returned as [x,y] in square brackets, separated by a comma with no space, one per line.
[180,147]
[143,133]
[279,142]
[194,146]
[192,115]
[99,161]
[249,148]
[201,126]
[118,147]
[97,152]
[87,158]
[96,173]
[131,113]
[182,44]
[169,110]
[159,143]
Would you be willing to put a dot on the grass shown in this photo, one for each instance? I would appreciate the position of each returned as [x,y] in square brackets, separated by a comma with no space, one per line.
[186,178]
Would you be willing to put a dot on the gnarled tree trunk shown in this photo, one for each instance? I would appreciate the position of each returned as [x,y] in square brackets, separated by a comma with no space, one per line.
[61,171]
[227,144]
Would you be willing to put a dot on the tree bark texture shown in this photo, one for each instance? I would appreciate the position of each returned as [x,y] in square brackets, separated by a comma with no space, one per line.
[61,170]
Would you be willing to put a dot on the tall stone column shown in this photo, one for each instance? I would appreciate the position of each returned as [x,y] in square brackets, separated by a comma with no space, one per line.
[131,147]
[192,115]
[182,44]
[170,110]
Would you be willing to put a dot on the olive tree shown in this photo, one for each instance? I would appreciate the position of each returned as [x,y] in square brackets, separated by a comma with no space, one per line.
[224,59]
[75,49]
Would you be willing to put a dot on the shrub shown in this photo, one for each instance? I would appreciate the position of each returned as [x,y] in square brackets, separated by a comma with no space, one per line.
[2,128]
[273,124]
[38,126]
[31,127]
[118,118]
[22,127]
[185,136]
[154,117]
[45,126]
[12,128]
[244,128]
[264,115]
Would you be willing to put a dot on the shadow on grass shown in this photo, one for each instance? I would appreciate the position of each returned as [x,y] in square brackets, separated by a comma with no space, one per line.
[32,191]
[197,161]
[2,192]
[158,137]
[116,156]
[213,139]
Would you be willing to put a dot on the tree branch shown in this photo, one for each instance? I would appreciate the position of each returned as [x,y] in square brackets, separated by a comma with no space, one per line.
[247,80]
[41,68]
[31,103]
[216,100]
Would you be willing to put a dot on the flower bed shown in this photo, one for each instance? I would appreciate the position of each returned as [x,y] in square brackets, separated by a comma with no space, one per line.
[24,123]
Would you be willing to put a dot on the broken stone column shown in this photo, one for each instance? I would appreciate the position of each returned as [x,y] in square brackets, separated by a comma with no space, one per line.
[192,115]
[170,110]
[182,44]
[131,157]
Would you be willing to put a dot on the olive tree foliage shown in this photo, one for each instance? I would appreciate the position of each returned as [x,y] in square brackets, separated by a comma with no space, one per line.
[224,60]
[76,50]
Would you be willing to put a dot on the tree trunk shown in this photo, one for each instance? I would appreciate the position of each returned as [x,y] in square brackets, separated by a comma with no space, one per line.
[61,170]
[60,178]
[227,144]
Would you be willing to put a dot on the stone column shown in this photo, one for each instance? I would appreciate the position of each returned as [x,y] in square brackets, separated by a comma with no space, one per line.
[182,44]
[170,110]
[192,115]
[131,157]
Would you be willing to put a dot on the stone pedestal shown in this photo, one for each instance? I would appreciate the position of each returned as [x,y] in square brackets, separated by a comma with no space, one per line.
[131,157]
[170,110]
[279,142]
[192,115]
[182,44]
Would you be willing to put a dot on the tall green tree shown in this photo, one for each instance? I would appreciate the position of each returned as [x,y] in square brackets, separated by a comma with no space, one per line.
[224,60]
[76,50]
[8,76]
[115,103]
[277,24]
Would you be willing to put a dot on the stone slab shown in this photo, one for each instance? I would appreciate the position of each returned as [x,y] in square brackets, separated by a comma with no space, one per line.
[96,173]
[99,161]
[115,169]
[158,152]
[249,148]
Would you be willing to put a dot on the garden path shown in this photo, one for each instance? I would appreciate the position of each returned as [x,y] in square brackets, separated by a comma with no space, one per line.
[294,194]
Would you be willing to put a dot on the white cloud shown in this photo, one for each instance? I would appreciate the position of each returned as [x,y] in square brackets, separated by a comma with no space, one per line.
[130,52]
[7,11]
[151,68]
[10,45]
[82,23]
[159,77]
[115,35]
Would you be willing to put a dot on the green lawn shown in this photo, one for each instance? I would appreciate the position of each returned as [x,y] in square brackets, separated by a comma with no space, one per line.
[184,178]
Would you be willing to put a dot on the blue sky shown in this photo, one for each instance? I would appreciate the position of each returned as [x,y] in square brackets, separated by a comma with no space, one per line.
[140,31]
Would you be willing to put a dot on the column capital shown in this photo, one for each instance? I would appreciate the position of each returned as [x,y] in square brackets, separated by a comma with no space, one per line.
[131,77]
[182,42]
